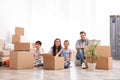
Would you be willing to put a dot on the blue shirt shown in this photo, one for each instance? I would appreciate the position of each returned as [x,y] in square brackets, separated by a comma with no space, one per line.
[80,43]
[66,53]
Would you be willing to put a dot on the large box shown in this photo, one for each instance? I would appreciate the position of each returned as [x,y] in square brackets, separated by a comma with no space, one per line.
[22,46]
[15,38]
[19,38]
[52,62]
[103,51]
[104,63]
[19,31]
[21,60]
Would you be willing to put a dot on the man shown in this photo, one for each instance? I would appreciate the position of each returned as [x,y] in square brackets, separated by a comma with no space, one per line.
[80,45]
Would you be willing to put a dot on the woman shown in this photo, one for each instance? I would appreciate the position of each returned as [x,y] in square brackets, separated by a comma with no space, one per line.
[56,49]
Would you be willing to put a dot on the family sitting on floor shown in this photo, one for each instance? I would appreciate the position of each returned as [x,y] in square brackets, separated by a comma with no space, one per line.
[58,50]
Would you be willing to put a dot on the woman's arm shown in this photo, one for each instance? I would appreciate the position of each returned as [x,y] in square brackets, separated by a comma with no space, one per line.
[58,53]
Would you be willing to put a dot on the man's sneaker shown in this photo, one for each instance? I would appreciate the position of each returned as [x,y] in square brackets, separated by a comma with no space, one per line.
[83,66]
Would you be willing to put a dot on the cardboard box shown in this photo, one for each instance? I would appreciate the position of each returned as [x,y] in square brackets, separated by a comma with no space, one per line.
[22,46]
[52,63]
[4,53]
[19,31]
[3,59]
[19,38]
[104,63]
[21,60]
[104,51]
[15,38]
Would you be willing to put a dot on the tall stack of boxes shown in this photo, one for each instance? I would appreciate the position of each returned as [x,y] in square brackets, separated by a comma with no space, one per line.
[104,60]
[21,57]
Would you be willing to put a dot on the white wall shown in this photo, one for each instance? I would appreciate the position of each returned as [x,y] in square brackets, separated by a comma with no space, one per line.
[46,20]
[105,8]
[14,13]
[62,19]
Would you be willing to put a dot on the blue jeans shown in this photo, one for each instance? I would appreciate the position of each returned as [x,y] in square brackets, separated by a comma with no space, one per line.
[66,65]
[80,55]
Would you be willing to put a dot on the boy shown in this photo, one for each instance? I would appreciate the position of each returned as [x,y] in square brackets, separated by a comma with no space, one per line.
[38,59]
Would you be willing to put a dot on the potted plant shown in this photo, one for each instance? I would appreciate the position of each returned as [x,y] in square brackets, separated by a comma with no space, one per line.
[91,56]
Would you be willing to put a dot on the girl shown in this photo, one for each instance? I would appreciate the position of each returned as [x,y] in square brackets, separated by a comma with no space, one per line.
[67,54]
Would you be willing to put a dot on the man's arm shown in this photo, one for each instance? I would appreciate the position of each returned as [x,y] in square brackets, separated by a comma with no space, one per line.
[78,46]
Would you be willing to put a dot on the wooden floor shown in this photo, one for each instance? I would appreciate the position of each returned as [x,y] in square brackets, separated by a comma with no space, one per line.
[73,73]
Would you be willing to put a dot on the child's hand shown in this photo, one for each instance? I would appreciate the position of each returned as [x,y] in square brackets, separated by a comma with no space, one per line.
[36,58]
[65,61]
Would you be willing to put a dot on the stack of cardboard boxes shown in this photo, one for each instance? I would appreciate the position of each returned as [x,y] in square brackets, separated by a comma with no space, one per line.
[21,57]
[105,60]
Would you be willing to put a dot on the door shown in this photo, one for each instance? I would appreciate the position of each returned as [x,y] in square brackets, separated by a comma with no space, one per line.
[115,36]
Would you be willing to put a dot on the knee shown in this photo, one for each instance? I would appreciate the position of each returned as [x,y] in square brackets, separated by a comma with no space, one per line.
[66,65]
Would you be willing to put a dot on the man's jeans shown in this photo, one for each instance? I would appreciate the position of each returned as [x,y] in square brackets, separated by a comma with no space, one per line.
[80,55]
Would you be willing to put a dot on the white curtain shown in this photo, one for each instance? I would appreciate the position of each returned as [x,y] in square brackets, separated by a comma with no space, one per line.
[62,19]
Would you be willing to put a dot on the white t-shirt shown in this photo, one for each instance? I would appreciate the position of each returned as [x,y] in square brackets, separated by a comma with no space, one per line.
[40,51]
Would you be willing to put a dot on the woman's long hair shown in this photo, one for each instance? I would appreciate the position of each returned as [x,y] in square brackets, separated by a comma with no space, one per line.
[54,47]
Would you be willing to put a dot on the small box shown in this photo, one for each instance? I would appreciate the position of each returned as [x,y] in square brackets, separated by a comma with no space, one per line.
[103,51]
[15,38]
[19,31]
[22,46]
[19,38]
[52,62]
[21,60]
[104,63]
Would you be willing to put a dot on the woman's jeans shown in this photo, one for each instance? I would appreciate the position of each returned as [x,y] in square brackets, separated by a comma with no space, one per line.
[80,55]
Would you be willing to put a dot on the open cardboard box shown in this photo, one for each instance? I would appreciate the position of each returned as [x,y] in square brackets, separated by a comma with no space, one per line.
[51,62]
